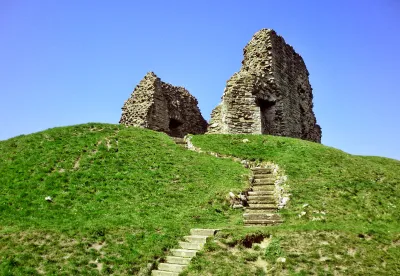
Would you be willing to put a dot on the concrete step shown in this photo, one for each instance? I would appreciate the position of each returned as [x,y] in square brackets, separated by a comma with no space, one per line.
[203,232]
[190,245]
[183,252]
[196,239]
[178,260]
[263,187]
[260,193]
[171,267]
[163,273]
[261,170]
[262,222]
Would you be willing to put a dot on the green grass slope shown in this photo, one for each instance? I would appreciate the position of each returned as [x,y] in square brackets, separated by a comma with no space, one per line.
[343,217]
[120,198]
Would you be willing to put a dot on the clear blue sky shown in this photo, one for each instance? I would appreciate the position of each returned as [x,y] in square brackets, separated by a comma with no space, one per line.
[66,62]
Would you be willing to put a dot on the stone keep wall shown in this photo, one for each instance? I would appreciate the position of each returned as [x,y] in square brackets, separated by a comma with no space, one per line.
[271,94]
[162,107]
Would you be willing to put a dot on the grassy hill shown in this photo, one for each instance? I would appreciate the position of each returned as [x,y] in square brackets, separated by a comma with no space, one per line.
[343,217]
[121,197]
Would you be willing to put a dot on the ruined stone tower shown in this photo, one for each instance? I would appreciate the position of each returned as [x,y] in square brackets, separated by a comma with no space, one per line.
[271,94]
[162,107]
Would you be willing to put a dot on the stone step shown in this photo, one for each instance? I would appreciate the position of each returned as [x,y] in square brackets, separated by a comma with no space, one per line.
[263,188]
[183,253]
[263,215]
[263,176]
[262,206]
[179,141]
[262,222]
[269,178]
[190,245]
[181,257]
[259,210]
[178,260]
[196,239]
[203,232]
[261,197]
[263,182]
[163,273]
[262,201]
[171,267]
[260,193]
[261,170]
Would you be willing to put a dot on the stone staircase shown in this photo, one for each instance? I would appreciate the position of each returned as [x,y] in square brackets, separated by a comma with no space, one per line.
[180,258]
[179,141]
[261,199]
[262,203]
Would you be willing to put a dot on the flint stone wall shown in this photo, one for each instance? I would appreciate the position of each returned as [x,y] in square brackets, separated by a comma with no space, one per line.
[163,107]
[271,94]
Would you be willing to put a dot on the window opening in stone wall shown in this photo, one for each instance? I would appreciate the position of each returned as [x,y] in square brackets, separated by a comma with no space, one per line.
[304,131]
[267,110]
[174,128]
[303,123]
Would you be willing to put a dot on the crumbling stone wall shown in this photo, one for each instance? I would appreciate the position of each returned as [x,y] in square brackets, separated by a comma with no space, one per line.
[162,107]
[271,94]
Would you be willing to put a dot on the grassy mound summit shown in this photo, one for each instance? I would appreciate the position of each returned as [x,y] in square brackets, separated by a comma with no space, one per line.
[105,199]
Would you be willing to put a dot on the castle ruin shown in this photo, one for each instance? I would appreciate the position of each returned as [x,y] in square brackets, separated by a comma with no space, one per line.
[271,94]
[163,107]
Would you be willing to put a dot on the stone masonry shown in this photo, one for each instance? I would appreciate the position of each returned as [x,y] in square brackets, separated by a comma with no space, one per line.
[271,94]
[162,107]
